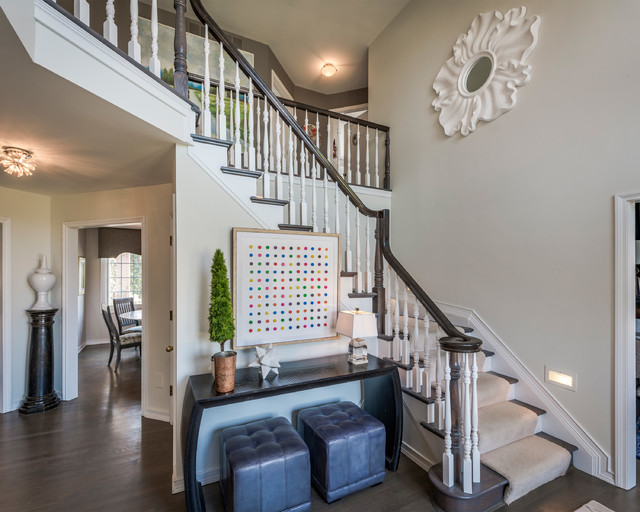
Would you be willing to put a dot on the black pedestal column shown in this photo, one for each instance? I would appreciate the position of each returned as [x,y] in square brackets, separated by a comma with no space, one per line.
[40,393]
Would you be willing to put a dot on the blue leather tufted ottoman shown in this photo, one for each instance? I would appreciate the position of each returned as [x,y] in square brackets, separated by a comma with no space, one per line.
[265,468]
[347,447]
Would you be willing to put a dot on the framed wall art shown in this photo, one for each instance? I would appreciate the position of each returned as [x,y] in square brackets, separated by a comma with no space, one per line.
[286,286]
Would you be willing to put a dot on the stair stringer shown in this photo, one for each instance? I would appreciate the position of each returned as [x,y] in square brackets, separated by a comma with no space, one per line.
[590,457]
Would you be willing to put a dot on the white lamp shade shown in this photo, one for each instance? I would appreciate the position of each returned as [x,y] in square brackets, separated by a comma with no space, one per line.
[357,324]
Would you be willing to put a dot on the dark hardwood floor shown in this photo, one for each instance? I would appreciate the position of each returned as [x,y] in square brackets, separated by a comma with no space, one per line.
[97,454]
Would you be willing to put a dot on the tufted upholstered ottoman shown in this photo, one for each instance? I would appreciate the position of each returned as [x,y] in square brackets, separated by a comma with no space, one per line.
[265,468]
[347,447]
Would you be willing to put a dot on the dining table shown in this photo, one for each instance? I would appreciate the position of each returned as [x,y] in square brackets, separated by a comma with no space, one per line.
[133,315]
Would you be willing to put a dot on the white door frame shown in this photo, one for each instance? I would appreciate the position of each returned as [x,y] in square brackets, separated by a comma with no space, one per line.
[70,303]
[625,329]
[5,335]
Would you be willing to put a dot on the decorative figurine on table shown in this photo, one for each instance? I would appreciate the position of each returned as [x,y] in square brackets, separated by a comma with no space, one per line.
[266,360]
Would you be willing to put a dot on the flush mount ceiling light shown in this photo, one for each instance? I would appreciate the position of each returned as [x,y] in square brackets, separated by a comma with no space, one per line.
[328,70]
[16,161]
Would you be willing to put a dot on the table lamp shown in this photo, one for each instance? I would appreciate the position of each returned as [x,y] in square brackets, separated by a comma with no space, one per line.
[357,325]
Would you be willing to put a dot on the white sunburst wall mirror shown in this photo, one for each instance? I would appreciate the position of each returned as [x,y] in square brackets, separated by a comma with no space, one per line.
[479,82]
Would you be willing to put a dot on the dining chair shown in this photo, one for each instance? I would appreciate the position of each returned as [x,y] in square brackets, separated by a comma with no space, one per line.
[117,341]
[125,325]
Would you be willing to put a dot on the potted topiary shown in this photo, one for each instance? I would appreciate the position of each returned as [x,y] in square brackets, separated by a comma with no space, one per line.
[221,325]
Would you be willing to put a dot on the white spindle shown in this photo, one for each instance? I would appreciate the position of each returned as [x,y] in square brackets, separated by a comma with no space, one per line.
[314,213]
[292,203]
[368,274]
[295,139]
[258,135]
[367,176]
[109,29]
[206,101]
[348,256]
[339,166]
[134,45]
[154,61]
[359,282]
[377,170]
[475,452]
[416,376]
[337,202]
[348,148]
[387,319]
[222,118]
[245,141]
[231,119]
[439,411]
[252,149]
[329,151]
[396,335]
[237,148]
[303,185]
[81,11]
[426,390]
[416,328]
[406,348]
[266,182]
[279,190]
[358,171]
[326,229]
[447,456]
[317,129]
[467,472]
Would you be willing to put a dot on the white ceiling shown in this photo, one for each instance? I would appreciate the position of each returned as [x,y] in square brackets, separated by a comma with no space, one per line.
[80,142]
[304,34]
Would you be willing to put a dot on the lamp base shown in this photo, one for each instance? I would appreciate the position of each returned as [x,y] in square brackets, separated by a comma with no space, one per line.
[357,351]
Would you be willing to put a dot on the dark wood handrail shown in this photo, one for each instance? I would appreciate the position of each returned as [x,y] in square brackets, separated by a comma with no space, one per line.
[462,342]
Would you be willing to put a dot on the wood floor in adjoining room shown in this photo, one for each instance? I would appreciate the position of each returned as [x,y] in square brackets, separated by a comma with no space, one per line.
[97,454]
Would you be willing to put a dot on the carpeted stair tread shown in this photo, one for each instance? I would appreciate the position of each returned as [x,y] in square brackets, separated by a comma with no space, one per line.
[503,423]
[527,463]
[491,389]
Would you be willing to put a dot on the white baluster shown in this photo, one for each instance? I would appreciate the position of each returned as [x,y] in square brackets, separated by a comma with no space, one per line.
[358,171]
[467,472]
[406,348]
[292,203]
[396,335]
[377,170]
[326,229]
[222,118]
[387,319]
[306,122]
[279,191]
[314,214]
[154,61]
[303,186]
[337,201]
[416,376]
[237,149]
[245,152]
[415,343]
[447,456]
[206,101]
[367,176]
[475,452]
[109,29]
[340,162]
[258,136]
[348,148]
[295,139]
[266,181]
[329,151]
[439,411]
[317,129]
[81,11]
[252,149]
[359,281]
[426,389]
[368,274]
[231,120]
[134,45]
[348,256]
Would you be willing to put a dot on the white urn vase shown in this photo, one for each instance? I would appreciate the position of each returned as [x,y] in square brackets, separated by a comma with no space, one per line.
[42,281]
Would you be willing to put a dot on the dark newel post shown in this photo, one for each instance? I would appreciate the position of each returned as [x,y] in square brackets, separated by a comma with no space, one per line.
[378,278]
[40,393]
[180,79]
[454,390]
[387,164]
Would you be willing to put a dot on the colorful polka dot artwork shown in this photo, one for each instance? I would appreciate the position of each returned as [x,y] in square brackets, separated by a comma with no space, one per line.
[285,286]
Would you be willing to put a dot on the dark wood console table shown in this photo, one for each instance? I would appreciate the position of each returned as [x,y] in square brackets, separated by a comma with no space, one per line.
[382,399]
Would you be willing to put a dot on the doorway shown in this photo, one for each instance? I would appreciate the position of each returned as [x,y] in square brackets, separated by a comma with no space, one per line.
[82,322]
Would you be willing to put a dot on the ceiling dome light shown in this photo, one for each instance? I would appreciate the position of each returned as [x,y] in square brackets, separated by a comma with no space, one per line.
[16,161]
[328,70]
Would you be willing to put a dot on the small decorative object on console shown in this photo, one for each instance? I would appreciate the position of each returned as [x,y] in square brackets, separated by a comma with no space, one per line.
[266,360]
[357,325]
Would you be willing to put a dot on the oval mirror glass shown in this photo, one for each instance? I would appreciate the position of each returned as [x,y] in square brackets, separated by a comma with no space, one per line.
[478,74]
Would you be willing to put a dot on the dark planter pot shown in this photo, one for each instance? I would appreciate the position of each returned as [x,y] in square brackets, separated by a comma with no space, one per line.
[225,368]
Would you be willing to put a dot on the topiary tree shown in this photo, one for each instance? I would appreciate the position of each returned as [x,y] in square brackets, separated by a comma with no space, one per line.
[221,326]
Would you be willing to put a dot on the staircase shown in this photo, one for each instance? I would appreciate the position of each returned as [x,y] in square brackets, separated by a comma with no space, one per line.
[490,446]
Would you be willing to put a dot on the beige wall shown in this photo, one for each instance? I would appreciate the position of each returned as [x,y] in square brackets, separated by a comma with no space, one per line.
[516,220]
[30,239]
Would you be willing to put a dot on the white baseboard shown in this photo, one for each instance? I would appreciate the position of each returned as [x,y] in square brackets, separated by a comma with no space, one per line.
[100,341]
[81,347]
[208,476]
[154,414]
[590,458]
[416,457]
